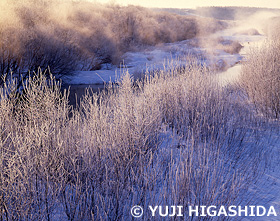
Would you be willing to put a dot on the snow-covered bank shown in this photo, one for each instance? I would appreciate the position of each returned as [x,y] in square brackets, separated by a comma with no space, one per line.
[266,190]
[231,75]
[163,55]
[152,58]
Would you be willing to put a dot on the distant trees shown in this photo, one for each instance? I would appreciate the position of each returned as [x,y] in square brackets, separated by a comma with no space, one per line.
[272,28]
[21,52]
[231,13]
[10,54]
[69,36]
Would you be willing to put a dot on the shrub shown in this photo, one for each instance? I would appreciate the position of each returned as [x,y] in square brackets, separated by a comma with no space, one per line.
[174,138]
[31,154]
[260,78]
[271,28]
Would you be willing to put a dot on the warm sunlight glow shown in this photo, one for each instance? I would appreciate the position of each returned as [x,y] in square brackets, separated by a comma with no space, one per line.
[197,3]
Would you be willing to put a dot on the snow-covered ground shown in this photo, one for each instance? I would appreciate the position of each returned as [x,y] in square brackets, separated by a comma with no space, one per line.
[266,191]
[159,57]
[152,58]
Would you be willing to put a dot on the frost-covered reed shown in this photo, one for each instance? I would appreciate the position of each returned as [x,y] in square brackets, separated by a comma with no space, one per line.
[173,138]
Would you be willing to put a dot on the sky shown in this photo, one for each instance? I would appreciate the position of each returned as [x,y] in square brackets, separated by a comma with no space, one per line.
[196,3]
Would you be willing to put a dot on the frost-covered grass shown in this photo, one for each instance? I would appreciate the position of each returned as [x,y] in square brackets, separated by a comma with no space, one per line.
[174,138]
[260,78]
